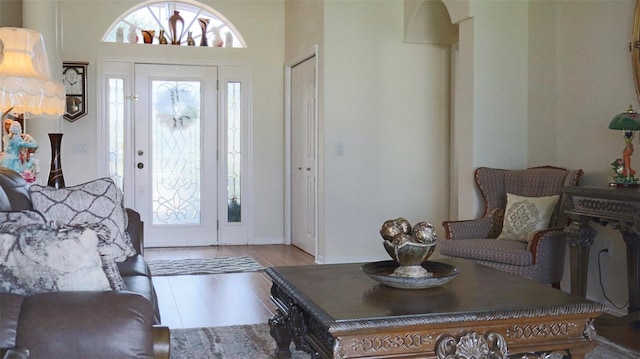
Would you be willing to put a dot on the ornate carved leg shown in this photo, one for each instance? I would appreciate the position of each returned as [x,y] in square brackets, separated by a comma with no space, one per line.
[281,332]
[632,240]
[580,238]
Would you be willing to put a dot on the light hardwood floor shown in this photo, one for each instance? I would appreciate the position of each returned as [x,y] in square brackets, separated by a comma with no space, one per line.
[243,298]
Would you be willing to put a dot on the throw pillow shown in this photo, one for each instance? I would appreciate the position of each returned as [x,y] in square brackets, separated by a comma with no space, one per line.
[526,215]
[42,258]
[98,201]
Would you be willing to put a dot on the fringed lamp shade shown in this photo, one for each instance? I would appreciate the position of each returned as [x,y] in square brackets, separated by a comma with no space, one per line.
[25,77]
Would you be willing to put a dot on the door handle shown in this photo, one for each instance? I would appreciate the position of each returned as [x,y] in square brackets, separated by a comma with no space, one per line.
[140,165]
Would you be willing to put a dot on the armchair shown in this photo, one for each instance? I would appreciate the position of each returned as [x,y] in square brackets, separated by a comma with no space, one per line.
[541,257]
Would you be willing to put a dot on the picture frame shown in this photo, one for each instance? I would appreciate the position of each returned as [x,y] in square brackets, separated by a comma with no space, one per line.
[74,78]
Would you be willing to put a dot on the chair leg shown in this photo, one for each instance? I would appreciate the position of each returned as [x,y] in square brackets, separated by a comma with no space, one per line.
[556,285]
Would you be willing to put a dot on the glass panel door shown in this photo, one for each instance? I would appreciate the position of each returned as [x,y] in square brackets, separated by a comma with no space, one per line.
[175,151]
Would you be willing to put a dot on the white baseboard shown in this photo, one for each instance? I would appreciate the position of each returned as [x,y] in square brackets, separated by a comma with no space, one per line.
[266,240]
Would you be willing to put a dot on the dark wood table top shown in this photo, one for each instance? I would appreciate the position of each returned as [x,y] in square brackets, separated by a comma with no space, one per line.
[341,296]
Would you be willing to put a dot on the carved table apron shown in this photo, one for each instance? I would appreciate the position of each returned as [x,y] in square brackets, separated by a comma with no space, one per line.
[336,311]
[618,207]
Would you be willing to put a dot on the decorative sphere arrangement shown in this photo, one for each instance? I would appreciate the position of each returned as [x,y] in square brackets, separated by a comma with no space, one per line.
[409,247]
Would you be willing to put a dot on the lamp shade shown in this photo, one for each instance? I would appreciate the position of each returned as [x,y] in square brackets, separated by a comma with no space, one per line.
[25,78]
[628,120]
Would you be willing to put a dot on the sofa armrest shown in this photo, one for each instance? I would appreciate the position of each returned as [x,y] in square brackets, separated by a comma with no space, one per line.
[467,229]
[86,325]
[135,229]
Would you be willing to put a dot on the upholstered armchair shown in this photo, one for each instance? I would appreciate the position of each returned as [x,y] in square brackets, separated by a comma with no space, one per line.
[537,251]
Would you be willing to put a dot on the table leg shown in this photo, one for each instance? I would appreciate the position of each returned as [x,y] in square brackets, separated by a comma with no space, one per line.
[580,237]
[281,332]
[632,240]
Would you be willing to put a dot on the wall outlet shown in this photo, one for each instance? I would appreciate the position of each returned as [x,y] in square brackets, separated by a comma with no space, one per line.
[608,245]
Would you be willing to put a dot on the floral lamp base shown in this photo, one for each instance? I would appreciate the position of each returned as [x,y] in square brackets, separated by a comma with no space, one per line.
[625,175]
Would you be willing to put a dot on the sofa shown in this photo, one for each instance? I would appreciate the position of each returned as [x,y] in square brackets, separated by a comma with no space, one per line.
[84,323]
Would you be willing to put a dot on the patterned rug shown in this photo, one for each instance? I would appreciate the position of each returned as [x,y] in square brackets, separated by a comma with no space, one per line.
[255,342]
[164,267]
[233,342]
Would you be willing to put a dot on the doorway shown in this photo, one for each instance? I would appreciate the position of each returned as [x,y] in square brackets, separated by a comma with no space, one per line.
[304,155]
[175,146]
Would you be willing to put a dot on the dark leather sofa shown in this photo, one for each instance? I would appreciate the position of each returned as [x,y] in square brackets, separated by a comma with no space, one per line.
[105,324]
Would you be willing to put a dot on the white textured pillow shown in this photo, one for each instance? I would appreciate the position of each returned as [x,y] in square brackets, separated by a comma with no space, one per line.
[526,215]
[98,201]
[40,258]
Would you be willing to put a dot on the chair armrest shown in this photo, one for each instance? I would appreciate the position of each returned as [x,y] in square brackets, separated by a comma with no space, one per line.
[547,242]
[135,230]
[468,229]
[161,342]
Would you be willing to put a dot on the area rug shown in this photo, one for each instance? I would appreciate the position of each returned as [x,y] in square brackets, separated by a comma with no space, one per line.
[255,342]
[233,342]
[165,267]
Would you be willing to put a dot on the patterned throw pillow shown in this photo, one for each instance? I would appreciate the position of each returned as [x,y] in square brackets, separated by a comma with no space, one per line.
[526,215]
[98,201]
[44,258]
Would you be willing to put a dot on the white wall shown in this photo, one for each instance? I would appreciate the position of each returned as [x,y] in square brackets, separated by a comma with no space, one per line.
[387,101]
[580,78]
[491,93]
[500,80]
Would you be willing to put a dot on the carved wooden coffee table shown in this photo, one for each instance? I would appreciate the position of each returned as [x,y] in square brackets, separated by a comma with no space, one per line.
[337,311]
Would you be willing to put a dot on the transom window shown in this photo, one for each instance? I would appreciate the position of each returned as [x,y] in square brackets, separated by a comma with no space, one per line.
[152,17]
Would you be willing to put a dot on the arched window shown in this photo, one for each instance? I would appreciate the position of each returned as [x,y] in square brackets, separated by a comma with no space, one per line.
[153,16]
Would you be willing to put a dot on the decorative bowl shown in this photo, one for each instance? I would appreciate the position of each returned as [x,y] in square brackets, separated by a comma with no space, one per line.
[409,247]
[383,272]
[410,256]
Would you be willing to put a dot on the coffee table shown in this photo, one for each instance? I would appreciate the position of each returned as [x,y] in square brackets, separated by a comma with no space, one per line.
[337,311]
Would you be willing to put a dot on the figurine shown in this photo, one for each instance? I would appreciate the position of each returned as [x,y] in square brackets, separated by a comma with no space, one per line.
[18,151]
[625,175]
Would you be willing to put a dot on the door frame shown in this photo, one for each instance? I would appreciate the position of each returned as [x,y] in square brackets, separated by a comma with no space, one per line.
[312,52]
[228,233]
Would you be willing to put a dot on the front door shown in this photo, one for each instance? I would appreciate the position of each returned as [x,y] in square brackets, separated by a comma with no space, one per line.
[175,148]
[303,156]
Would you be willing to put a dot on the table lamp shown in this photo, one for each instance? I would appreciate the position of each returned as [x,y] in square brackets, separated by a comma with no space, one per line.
[26,86]
[628,122]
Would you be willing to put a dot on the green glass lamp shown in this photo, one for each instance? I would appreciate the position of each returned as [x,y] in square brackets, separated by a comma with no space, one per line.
[628,122]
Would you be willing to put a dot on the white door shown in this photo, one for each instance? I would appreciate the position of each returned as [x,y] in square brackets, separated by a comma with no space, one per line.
[175,148]
[303,156]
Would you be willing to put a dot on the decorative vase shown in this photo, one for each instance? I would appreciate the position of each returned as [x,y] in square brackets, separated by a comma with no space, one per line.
[204,23]
[161,38]
[190,40]
[56,178]
[228,41]
[120,35]
[132,36]
[176,27]
[147,36]
[217,38]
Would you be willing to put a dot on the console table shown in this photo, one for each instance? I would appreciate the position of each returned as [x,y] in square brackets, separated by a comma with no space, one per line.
[618,207]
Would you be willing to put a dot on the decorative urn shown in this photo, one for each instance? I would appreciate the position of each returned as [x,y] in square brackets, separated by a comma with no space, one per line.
[409,247]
